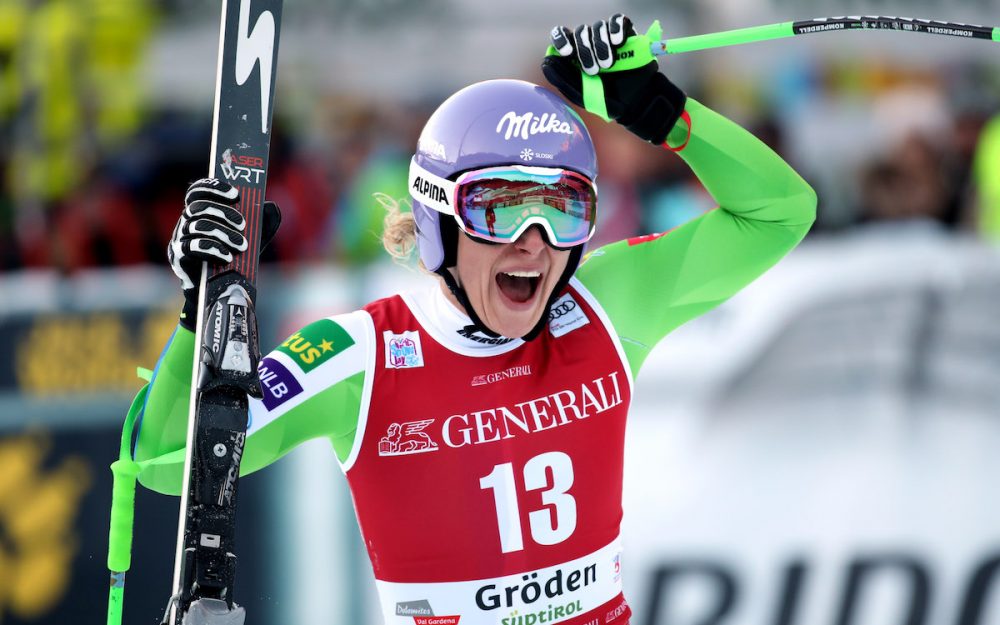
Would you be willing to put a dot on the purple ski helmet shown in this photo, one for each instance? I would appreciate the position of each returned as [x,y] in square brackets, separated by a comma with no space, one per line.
[492,123]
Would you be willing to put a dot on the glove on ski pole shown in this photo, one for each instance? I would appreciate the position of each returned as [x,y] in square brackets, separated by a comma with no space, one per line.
[609,70]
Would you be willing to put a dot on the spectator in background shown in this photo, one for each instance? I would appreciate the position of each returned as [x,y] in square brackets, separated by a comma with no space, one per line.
[96,226]
[167,153]
[670,195]
[986,181]
[621,160]
[68,95]
[968,127]
[9,256]
[298,183]
[357,227]
[374,160]
[909,183]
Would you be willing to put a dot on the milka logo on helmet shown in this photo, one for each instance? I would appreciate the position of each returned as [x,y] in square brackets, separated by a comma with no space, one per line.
[514,125]
[430,190]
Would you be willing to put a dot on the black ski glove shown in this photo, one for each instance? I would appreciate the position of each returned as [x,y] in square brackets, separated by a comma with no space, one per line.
[620,77]
[211,229]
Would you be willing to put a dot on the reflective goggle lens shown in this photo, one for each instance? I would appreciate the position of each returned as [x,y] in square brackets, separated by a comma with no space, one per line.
[498,204]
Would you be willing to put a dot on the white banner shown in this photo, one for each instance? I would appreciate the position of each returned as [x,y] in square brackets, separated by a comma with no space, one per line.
[824,449]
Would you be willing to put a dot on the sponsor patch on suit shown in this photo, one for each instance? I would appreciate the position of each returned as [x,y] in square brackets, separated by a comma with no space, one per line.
[277,382]
[402,351]
[316,343]
[566,315]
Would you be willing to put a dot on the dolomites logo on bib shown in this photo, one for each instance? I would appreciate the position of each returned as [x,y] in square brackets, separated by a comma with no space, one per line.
[402,351]
[407,438]
[414,608]
[514,125]
[423,614]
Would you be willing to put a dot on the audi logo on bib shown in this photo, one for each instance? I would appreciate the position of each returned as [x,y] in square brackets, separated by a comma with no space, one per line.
[562,309]
[565,315]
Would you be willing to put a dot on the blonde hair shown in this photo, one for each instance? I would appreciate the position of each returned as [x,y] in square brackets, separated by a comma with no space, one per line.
[399,231]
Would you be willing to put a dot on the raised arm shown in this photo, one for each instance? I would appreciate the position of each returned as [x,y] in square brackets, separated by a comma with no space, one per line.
[651,285]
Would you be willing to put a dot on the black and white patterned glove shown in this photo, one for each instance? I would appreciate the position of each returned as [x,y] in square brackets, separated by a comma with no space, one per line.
[595,44]
[210,229]
[633,90]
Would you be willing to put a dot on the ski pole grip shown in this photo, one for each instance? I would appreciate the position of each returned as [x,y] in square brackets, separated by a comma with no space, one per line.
[125,472]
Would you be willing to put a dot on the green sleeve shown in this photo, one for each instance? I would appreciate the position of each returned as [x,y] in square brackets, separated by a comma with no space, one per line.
[328,406]
[651,286]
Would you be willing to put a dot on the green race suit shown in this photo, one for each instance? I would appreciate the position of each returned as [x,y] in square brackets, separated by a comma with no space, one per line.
[647,289]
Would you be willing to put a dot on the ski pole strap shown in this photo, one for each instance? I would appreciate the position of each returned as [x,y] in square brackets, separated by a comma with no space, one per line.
[593,95]
[687,139]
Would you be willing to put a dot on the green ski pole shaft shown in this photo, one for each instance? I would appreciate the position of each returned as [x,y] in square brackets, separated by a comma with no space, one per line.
[824,24]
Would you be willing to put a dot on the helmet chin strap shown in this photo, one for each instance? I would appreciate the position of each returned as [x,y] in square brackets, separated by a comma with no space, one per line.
[463,299]
[456,289]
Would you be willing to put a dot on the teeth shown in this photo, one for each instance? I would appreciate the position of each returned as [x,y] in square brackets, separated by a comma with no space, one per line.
[523,274]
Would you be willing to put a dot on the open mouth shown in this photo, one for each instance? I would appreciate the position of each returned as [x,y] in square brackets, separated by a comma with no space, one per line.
[519,286]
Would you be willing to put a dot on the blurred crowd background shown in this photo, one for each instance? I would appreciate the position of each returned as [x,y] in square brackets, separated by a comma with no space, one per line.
[820,449]
[105,115]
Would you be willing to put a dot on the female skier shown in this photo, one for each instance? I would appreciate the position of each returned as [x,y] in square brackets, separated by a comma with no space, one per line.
[481,422]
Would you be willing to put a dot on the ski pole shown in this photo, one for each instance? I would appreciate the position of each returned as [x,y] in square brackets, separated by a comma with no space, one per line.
[125,471]
[781,30]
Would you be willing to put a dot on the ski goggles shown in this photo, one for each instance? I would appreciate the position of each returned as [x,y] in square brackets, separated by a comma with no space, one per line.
[499,203]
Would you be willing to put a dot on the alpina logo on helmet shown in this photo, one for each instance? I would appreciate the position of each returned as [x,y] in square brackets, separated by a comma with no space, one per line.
[531,124]
[431,190]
